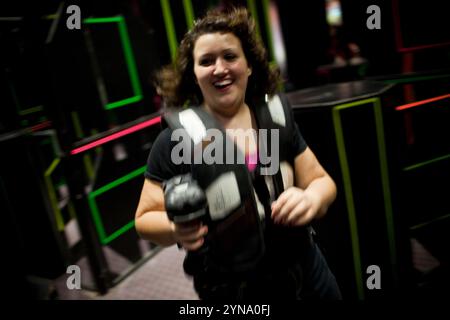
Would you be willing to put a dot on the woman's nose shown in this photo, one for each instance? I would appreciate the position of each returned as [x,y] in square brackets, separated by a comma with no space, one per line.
[220,67]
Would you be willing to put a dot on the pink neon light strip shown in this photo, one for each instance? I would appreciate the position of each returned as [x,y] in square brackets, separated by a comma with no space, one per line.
[41,126]
[117,135]
[418,103]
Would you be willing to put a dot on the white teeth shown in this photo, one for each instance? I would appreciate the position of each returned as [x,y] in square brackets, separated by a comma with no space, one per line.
[223,83]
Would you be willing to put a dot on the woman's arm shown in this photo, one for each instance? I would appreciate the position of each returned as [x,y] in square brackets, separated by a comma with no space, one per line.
[152,223]
[313,193]
[151,220]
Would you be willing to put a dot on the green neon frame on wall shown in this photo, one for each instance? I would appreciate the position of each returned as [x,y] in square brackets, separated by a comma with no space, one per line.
[129,59]
[170,26]
[340,141]
[49,182]
[426,163]
[189,13]
[104,238]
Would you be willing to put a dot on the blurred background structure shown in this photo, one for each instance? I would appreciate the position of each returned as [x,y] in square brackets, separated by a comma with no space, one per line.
[79,114]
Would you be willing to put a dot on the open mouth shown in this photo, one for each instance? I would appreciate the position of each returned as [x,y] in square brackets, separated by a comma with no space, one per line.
[223,84]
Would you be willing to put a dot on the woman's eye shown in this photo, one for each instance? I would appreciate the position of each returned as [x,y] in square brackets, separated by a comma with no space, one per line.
[205,62]
[230,57]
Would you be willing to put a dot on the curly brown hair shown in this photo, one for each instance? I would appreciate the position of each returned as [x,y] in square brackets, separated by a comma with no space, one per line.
[176,82]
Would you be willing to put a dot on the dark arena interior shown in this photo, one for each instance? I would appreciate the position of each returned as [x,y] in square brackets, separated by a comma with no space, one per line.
[369,86]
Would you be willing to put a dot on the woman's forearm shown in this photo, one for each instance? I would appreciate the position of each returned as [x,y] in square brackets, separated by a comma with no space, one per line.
[325,189]
[156,227]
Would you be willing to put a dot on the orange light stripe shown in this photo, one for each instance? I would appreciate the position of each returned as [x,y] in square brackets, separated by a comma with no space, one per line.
[418,103]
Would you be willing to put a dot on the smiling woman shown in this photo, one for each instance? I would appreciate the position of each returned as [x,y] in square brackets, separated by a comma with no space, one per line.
[222,71]
[245,228]
[178,83]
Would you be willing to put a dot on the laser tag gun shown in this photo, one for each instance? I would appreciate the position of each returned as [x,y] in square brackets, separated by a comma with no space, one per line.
[220,194]
[184,200]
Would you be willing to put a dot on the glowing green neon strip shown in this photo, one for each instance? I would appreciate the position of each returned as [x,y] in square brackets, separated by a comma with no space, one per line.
[349,200]
[386,187]
[50,16]
[118,182]
[97,219]
[123,102]
[425,163]
[129,58]
[52,194]
[170,28]
[252,7]
[104,239]
[189,13]
[52,167]
[266,8]
[418,226]
[88,166]
[117,233]
[131,64]
[348,188]
[31,110]
[103,20]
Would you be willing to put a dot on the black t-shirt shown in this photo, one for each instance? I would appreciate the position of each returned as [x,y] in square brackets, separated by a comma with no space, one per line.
[161,168]
[279,247]
[159,164]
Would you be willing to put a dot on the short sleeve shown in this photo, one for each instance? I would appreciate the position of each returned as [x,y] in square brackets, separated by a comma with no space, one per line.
[298,143]
[160,167]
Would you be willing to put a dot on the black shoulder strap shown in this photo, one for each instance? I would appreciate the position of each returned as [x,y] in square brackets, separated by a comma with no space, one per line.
[274,113]
[196,122]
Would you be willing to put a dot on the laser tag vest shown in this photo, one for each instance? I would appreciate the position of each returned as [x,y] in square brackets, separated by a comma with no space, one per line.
[240,229]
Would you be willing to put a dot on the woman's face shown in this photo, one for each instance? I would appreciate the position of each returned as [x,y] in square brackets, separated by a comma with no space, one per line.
[221,70]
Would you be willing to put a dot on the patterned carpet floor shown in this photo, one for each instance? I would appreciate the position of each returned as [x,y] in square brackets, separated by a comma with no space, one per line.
[159,278]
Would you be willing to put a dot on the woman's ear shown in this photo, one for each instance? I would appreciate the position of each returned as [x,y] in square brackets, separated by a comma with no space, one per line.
[249,71]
